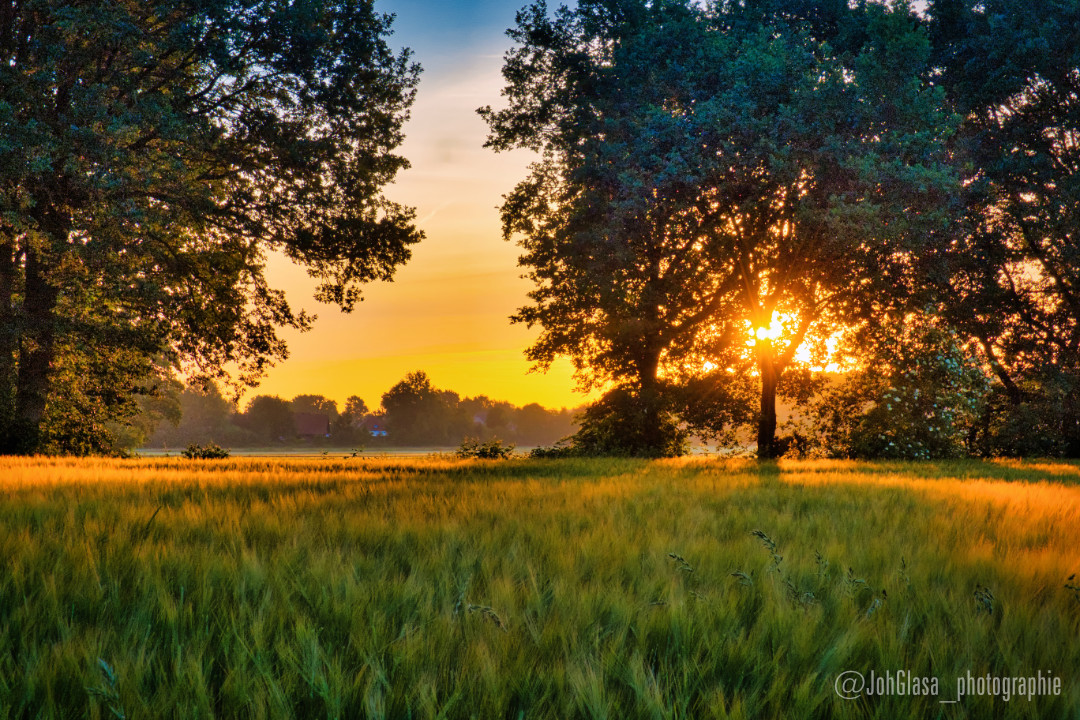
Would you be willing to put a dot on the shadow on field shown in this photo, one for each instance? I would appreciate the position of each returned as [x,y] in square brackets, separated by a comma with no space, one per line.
[1066,472]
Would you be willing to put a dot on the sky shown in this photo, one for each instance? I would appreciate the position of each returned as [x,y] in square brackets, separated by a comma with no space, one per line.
[447,310]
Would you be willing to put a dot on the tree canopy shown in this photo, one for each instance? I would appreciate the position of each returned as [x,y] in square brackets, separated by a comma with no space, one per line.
[418,413]
[717,177]
[1012,72]
[152,154]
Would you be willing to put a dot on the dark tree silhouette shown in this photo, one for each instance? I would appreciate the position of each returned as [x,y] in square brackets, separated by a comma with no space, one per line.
[152,153]
[712,176]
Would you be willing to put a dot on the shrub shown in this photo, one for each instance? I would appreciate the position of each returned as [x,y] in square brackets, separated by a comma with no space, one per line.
[493,449]
[560,449]
[919,396]
[210,451]
[629,423]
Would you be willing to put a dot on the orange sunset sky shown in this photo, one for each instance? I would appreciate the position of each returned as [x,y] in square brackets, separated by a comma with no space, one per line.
[447,310]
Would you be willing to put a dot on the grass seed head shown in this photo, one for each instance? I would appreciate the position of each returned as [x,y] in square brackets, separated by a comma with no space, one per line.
[683,565]
[490,614]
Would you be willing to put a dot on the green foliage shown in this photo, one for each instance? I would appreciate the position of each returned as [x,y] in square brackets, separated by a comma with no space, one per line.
[490,450]
[716,405]
[1045,422]
[151,155]
[920,395]
[159,405]
[537,425]
[107,693]
[212,451]
[350,426]
[705,167]
[564,449]
[1010,70]
[105,400]
[626,423]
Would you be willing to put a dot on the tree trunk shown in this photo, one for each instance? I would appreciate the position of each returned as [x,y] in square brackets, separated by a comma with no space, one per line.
[767,447]
[650,403]
[8,332]
[37,344]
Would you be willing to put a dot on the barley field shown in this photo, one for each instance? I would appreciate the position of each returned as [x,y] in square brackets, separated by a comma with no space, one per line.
[439,588]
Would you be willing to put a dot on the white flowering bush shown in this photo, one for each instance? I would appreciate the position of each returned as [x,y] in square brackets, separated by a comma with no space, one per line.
[918,395]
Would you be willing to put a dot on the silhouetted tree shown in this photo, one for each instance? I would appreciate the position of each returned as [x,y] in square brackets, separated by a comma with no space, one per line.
[706,172]
[205,416]
[152,154]
[1012,72]
[315,404]
[270,418]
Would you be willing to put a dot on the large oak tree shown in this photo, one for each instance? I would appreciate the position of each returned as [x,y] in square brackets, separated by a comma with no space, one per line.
[152,153]
[713,177]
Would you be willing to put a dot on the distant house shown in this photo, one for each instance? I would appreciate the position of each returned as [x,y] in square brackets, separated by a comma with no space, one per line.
[312,425]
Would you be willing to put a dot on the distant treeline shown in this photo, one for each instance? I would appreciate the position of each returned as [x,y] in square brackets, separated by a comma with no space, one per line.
[412,413]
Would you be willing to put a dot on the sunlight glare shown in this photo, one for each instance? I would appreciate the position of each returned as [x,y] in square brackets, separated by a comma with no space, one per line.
[782,321]
[774,331]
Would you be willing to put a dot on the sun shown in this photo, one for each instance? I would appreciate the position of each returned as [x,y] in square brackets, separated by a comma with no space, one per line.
[773,331]
[782,326]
